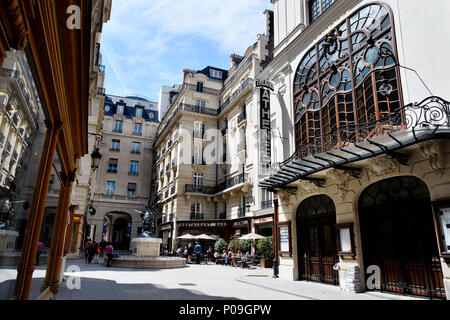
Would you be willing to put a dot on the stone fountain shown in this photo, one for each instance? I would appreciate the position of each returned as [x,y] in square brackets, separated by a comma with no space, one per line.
[146,249]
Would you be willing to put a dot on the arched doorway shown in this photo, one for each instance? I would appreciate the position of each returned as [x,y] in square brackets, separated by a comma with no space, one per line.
[118,230]
[398,235]
[317,254]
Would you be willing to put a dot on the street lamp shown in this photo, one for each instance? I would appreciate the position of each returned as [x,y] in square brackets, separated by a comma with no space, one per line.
[96,156]
[92,210]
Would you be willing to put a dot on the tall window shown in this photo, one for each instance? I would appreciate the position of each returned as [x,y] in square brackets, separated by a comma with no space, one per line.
[115,145]
[201,104]
[136,147]
[196,211]
[112,167]
[317,7]
[337,85]
[137,129]
[131,190]
[118,126]
[200,86]
[198,155]
[199,130]
[120,109]
[197,181]
[110,188]
[134,167]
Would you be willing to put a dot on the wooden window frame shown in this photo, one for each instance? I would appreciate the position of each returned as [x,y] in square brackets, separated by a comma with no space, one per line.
[437,206]
[349,226]
[283,225]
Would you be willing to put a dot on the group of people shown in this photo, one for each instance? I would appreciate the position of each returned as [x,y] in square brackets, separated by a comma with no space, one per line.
[192,252]
[94,250]
[229,257]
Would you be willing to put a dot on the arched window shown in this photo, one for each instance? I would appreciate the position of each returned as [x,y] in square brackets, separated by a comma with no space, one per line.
[348,79]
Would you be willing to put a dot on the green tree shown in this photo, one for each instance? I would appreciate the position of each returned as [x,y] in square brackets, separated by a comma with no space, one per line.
[220,245]
[246,245]
[234,244]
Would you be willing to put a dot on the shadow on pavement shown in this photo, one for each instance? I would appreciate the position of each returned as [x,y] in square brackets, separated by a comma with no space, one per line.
[151,292]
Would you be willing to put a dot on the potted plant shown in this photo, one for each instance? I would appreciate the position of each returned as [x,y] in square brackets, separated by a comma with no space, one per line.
[265,248]
[245,245]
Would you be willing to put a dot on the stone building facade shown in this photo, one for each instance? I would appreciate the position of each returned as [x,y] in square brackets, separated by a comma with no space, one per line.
[123,176]
[362,184]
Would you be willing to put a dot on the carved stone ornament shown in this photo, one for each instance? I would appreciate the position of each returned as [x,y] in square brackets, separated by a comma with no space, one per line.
[307,187]
[433,151]
[284,196]
[381,166]
[340,179]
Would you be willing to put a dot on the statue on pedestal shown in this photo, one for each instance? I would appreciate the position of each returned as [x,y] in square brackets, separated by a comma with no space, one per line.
[148,221]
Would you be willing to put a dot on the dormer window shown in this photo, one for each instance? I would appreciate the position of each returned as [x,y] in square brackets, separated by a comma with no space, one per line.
[139,112]
[215,74]
[120,109]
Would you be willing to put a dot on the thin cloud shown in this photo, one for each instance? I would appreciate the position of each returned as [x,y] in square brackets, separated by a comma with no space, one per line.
[149,43]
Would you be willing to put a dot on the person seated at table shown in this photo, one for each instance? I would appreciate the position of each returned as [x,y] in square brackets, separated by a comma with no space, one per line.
[209,254]
[217,257]
[225,256]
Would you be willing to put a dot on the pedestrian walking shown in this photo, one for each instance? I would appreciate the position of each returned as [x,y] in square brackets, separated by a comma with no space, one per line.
[40,249]
[102,247]
[97,252]
[109,255]
[198,253]
[86,251]
[92,249]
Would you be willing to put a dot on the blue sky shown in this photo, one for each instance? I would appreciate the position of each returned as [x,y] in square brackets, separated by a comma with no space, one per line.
[148,43]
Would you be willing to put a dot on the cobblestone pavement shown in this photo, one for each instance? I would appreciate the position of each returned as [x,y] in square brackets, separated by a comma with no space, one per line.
[199,282]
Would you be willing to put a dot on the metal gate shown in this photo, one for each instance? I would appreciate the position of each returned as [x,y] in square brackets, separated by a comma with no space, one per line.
[316,220]
[398,235]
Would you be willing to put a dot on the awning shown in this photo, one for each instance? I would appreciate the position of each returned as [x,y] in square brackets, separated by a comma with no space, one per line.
[414,123]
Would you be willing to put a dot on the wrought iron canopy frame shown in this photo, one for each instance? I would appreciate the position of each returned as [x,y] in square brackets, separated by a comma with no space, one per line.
[412,124]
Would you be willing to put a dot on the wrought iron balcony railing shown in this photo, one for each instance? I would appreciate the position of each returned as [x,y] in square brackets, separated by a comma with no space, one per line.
[236,94]
[189,188]
[101,91]
[240,178]
[193,87]
[404,126]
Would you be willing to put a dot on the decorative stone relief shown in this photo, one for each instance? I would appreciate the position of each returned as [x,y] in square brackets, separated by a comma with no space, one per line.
[341,180]
[381,166]
[433,150]
[307,187]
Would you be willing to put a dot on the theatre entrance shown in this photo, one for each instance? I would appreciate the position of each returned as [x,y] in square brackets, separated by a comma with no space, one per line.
[398,235]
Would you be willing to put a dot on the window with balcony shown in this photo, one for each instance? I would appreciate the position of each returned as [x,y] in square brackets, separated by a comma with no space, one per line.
[197,181]
[196,211]
[132,190]
[337,89]
[110,188]
[115,145]
[134,167]
[136,147]
[317,7]
[112,166]
[137,129]
[118,126]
